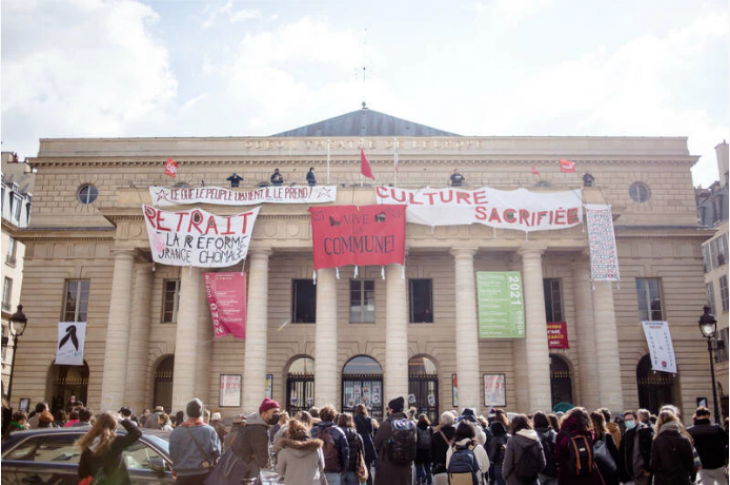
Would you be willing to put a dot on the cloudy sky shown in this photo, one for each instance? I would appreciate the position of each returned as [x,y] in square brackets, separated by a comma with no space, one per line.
[94,68]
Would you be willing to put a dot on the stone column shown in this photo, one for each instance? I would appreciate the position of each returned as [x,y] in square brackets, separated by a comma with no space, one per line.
[536,342]
[396,334]
[467,330]
[139,340]
[585,335]
[117,332]
[186,338]
[607,354]
[325,347]
[519,359]
[205,337]
[254,362]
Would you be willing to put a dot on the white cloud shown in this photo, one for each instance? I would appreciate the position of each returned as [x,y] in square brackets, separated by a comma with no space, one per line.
[228,11]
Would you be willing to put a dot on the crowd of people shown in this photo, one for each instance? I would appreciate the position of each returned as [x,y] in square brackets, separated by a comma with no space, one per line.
[322,446]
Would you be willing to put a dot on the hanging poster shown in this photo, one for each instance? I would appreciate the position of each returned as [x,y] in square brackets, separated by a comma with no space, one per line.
[71,340]
[504,209]
[557,335]
[500,304]
[226,294]
[361,236]
[454,391]
[167,197]
[495,393]
[269,385]
[230,392]
[198,238]
[377,396]
[602,243]
[660,345]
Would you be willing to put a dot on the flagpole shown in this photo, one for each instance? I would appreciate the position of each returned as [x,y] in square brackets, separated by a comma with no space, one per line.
[362,147]
[395,162]
[328,162]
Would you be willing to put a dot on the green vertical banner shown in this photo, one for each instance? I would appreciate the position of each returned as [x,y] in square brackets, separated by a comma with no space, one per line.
[501,306]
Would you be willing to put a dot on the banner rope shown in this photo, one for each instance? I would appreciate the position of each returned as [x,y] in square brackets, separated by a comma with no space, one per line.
[382,272]
[337,272]
[355,275]
[314,277]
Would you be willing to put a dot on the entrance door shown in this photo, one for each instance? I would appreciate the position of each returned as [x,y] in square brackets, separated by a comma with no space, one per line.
[655,388]
[423,387]
[362,383]
[68,380]
[300,386]
[163,383]
[561,380]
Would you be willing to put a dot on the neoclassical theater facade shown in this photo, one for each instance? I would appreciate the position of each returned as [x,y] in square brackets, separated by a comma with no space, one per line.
[403,331]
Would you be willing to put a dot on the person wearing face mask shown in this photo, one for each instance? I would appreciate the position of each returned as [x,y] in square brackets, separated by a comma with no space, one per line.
[626,449]
[252,441]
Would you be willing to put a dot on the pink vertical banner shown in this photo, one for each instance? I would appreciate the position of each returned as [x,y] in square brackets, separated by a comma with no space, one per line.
[227,301]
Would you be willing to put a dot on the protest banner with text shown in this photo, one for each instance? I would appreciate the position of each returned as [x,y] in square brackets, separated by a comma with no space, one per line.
[166,197]
[226,294]
[514,209]
[602,243]
[661,349]
[557,335]
[365,235]
[198,238]
[500,304]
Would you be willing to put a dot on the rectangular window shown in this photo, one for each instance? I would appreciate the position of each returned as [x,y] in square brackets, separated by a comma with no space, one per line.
[711,297]
[362,301]
[721,355]
[553,300]
[6,335]
[706,257]
[723,292]
[170,300]
[421,300]
[721,250]
[304,301]
[76,303]
[649,294]
[17,206]
[10,255]
[7,293]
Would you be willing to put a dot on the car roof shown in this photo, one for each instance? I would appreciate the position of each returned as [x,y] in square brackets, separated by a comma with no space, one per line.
[77,430]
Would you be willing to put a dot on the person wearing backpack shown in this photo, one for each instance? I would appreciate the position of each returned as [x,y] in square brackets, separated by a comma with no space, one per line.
[574,450]
[396,444]
[498,445]
[336,449]
[524,457]
[466,460]
[549,474]
[441,440]
[423,451]
[364,426]
[605,452]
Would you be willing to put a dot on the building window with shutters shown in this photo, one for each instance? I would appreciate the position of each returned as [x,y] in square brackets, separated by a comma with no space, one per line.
[362,301]
[420,292]
[304,301]
[723,292]
[553,300]
[170,300]
[721,354]
[7,293]
[711,297]
[76,300]
[649,295]
[10,254]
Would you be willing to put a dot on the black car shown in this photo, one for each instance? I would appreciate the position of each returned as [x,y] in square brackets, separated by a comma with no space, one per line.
[49,456]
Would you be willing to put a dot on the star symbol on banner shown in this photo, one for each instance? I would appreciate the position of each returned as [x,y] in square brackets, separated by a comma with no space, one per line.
[324,192]
[161,195]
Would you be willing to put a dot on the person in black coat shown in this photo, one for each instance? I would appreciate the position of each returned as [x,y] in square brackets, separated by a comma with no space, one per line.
[101,448]
[276,178]
[610,474]
[423,451]
[364,426]
[711,443]
[355,443]
[311,179]
[671,452]
[441,440]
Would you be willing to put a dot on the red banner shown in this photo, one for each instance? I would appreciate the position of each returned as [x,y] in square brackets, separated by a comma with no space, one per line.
[567,166]
[227,300]
[557,335]
[365,235]
[171,168]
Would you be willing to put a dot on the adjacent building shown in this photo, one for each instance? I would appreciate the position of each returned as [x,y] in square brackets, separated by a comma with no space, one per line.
[404,331]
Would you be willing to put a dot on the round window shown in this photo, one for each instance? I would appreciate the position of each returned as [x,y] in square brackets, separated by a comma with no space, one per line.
[639,192]
[87,194]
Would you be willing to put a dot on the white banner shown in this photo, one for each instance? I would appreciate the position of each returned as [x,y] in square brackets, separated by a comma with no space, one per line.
[166,197]
[71,339]
[602,243]
[660,345]
[198,238]
[515,209]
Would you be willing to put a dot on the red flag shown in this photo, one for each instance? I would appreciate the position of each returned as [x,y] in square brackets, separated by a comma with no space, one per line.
[534,171]
[567,166]
[171,167]
[364,165]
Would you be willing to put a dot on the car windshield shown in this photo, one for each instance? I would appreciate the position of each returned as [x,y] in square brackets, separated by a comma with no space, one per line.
[158,442]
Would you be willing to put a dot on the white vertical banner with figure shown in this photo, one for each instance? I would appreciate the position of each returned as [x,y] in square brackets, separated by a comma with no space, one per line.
[602,243]
[71,340]
[660,345]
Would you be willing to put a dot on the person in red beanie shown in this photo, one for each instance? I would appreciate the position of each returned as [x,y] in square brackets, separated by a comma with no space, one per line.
[252,441]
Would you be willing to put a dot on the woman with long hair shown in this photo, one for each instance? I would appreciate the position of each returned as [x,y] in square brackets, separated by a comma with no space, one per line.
[101,450]
[355,444]
[465,438]
[524,457]
[576,432]
[423,451]
[601,433]
[300,461]
[671,452]
[305,418]
[364,426]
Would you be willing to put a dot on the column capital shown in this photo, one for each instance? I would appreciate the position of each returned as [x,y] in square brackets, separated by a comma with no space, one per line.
[118,252]
[461,252]
[259,253]
[531,251]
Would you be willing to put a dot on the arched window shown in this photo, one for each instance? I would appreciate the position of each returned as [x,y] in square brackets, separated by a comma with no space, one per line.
[68,380]
[300,385]
[561,380]
[362,383]
[423,386]
[655,388]
[164,376]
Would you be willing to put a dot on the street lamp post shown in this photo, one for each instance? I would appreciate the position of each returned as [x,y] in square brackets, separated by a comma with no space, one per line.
[708,326]
[19,319]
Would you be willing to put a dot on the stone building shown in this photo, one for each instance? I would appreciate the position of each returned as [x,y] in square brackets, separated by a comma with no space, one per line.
[150,341]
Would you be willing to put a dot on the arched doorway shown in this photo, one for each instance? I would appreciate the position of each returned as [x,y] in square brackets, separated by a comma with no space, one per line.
[362,382]
[423,386]
[164,375]
[561,380]
[67,380]
[300,385]
[655,388]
